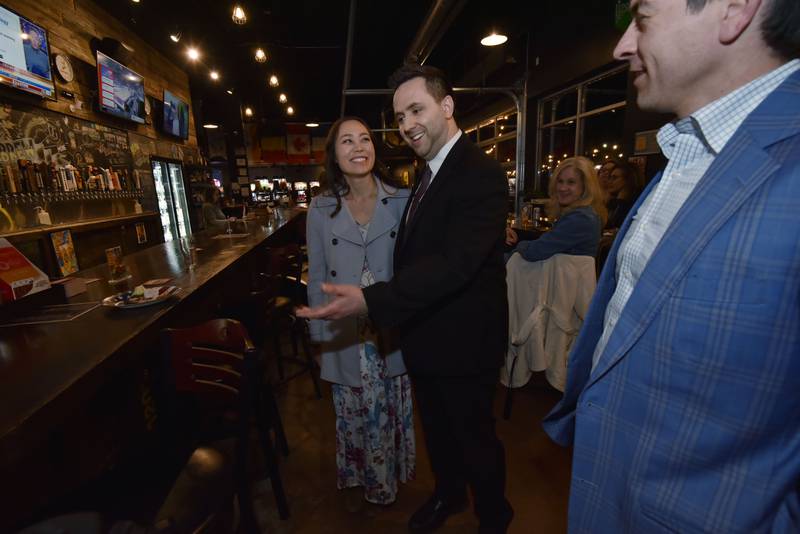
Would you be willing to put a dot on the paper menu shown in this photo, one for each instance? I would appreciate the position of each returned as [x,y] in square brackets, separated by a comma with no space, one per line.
[65,252]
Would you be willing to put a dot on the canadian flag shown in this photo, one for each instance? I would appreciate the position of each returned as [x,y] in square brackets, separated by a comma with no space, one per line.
[317,149]
[298,141]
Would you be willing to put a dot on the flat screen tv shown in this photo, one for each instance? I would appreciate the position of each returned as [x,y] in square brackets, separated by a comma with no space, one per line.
[176,116]
[24,55]
[120,90]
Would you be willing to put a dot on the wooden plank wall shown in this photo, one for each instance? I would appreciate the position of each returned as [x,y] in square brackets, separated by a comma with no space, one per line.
[71,24]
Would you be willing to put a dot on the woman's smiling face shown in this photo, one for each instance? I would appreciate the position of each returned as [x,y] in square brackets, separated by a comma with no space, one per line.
[355,152]
[569,187]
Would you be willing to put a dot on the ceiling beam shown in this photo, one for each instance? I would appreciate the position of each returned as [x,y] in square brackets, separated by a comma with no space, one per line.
[433,27]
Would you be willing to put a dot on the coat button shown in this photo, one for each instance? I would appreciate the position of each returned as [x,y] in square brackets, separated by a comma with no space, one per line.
[335,241]
[333,273]
[384,201]
[393,233]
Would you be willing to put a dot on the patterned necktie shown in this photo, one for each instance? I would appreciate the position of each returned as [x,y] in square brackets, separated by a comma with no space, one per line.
[425,181]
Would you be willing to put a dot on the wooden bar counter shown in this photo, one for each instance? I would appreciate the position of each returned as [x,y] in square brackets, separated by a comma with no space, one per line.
[71,389]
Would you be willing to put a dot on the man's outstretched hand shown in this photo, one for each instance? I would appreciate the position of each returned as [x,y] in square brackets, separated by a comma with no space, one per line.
[347,302]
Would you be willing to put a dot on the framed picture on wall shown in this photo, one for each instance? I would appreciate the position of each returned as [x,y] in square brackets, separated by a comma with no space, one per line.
[141,233]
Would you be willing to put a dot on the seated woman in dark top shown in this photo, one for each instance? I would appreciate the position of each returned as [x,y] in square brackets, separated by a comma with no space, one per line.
[576,202]
[604,173]
[622,189]
[213,218]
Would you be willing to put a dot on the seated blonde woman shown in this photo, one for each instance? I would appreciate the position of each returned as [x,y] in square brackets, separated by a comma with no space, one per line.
[577,205]
[552,279]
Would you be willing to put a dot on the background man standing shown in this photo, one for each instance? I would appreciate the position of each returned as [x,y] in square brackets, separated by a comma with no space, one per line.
[683,389]
[448,298]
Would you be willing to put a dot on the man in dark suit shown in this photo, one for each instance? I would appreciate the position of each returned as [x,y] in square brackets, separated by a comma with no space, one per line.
[448,300]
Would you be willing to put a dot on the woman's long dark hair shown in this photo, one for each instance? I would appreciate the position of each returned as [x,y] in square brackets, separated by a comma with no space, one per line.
[333,182]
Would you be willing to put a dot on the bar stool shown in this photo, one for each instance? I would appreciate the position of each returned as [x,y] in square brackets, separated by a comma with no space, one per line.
[280,281]
[216,365]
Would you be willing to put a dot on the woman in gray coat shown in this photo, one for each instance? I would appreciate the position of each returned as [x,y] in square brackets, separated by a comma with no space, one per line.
[352,227]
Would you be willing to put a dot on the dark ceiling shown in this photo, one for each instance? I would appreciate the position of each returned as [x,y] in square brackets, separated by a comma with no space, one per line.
[306,43]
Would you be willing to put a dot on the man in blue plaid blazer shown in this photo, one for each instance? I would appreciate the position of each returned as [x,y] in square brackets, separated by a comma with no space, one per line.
[683,390]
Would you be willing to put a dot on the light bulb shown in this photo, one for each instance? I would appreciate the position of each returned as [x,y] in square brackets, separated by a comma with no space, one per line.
[239,16]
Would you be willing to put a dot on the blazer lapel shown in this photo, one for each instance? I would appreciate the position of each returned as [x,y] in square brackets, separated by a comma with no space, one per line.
[736,172]
[383,220]
[344,227]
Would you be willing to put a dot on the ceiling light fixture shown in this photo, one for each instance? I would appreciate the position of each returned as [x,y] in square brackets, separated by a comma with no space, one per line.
[211,126]
[312,124]
[273,81]
[248,112]
[290,110]
[229,91]
[282,98]
[193,53]
[214,75]
[261,56]
[494,39]
[175,36]
[239,16]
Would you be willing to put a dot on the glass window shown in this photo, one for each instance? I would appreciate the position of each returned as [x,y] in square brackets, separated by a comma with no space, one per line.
[560,107]
[602,135]
[606,91]
[506,123]
[486,131]
[473,135]
[507,150]
[558,142]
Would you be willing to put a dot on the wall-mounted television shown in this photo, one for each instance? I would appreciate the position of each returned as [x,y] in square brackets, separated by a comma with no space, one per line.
[24,55]
[176,116]
[120,90]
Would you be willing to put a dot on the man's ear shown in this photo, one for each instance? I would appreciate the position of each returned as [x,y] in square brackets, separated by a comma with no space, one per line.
[737,16]
[448,106]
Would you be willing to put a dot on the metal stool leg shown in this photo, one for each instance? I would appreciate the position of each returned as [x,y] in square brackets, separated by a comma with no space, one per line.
[509,392]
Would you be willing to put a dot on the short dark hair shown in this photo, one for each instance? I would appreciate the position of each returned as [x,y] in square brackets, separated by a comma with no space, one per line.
[332,180]
[208,194]
[436,80]
[780,27]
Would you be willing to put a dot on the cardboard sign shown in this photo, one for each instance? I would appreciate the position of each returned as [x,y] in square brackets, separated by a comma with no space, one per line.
[65,252]
[18,276]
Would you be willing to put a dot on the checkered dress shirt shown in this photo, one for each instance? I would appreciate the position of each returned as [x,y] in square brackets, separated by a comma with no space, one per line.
[690,144]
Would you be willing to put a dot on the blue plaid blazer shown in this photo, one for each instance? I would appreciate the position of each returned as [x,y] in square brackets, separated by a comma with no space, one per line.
[691,420]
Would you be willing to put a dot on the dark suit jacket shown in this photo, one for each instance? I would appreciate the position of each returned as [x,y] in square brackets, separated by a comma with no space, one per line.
[448,294]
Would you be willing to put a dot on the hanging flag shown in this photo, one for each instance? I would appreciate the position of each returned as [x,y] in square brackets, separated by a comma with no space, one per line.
[273,149]
[298,144]
[317,149]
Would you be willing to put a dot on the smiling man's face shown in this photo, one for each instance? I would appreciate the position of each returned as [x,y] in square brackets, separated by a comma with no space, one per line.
[423,121]
[672,53]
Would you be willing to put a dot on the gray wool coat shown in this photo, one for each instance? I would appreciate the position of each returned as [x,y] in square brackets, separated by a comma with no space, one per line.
[336,254]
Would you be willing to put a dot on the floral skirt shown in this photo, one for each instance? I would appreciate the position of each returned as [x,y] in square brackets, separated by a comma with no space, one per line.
[374,430]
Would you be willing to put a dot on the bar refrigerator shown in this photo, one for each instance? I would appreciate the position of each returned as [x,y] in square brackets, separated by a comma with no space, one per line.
[173,205]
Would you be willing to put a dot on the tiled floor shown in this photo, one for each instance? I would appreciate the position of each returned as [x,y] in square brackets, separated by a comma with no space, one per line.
[538,471]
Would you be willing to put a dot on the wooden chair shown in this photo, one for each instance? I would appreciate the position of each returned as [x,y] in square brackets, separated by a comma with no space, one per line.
[216,365]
